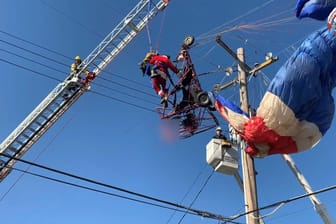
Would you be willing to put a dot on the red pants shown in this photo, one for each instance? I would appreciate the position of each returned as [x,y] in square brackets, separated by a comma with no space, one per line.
[159,85]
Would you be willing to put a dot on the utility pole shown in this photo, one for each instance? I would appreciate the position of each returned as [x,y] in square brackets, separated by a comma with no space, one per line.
[250,190]
[249,180]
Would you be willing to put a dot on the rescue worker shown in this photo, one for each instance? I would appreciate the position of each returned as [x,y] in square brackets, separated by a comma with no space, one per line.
[219,134]
[224,142]
[76,67]
[156,67]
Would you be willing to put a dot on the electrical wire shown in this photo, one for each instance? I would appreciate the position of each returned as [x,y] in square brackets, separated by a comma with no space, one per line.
[34,53]
[34,44]
[31,70]
[128,87]
[71,18]
[190,210]
[188,191]
[101,94]
[125,94]
[33,61]
[56,79]
[44,65]
[61,63]
[126,79]
[90,188]
[38,156]
[280,203]
[122,101]
[197,195]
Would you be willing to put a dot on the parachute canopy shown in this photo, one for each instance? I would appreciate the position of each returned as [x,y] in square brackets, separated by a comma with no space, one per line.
[316,9]
[298,107]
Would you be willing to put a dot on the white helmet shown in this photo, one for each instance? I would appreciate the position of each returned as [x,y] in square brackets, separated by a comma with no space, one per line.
[218,129]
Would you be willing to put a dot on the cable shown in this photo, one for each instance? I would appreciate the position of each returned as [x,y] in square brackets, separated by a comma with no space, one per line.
[34,44]
[50,77]
[190,210]
[60,54]
[123,101]
[221,29]
[89,188]
[126,79]
[38,156]
[202,188]
[124,93]
[122,85]
[188,191]
[34,53]
[28,59]
[70,18]
[44,65]
[279,203]
[28,69]
[9,52]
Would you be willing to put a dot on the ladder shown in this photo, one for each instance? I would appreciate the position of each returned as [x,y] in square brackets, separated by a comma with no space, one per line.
[69,91]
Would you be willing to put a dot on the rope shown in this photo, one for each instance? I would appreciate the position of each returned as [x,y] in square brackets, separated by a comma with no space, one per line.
[160,31]
[148,30]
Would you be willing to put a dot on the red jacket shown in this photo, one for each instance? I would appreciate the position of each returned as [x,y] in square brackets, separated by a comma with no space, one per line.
[163,63]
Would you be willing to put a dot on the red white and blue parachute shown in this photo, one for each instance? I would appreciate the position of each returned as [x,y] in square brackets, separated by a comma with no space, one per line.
[298,107]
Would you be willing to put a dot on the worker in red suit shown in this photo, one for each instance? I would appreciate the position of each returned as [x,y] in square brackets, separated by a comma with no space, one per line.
[156,67]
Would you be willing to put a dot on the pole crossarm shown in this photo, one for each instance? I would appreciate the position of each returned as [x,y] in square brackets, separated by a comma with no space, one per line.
[245,67]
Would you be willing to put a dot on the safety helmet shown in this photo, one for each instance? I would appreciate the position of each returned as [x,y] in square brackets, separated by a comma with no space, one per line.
[77,58]
[218,129]
[148,56]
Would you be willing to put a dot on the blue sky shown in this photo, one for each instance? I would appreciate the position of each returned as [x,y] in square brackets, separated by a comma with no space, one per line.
[119,144]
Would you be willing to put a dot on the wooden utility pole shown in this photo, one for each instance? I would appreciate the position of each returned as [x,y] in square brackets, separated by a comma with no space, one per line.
[250,190]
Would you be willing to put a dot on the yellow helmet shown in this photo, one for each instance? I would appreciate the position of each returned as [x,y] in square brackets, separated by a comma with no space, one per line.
[149,56]
[77,58]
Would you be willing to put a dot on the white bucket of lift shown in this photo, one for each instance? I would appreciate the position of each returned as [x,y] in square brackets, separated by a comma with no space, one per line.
[222,157]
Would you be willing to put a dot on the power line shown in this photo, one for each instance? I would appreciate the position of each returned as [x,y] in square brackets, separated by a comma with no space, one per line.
[34,53]
[279,203]
[90,188]
[70,18]
[125,86]
[61,63]
[188,191]
[50,77]
[190,210]
[67,57]
[126,79]
[197,195]
[47,76]
[33,61]
[34,44]
[28,69]
[124,93]
[123,101]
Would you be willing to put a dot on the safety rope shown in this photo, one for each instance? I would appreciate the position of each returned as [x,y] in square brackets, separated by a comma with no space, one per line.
[160,31]
[150,43]
[148,30]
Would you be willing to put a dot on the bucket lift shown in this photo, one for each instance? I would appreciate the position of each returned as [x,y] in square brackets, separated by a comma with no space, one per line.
[222,156]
